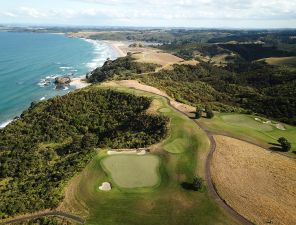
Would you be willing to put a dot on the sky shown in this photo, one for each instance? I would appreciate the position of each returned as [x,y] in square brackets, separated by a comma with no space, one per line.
[152,13]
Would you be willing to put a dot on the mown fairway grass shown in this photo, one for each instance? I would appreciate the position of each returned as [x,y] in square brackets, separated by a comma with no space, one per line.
[247,128]
[132,171]
[167,203]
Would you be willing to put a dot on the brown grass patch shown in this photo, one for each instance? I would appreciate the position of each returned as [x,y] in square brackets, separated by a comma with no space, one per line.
[257,183]
[154,56]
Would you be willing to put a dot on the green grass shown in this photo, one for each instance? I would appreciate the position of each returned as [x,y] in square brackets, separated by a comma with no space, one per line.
[132,171]
[166,203]
[247,128]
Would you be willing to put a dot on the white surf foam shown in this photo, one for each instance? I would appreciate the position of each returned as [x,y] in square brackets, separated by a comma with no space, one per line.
[2,125]
[43,98]
[102,51]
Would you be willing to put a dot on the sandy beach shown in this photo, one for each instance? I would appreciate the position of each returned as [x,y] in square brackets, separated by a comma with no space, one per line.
[121,50]
[79,82]
[119,46]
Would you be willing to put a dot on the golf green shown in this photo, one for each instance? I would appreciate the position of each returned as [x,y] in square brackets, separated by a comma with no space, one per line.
[132,171]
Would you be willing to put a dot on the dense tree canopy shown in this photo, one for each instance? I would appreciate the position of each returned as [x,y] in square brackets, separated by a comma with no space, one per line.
[55,139]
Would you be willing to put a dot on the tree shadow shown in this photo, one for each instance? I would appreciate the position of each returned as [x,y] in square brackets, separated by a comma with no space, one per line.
[187,186]
[275,147]
[274,144]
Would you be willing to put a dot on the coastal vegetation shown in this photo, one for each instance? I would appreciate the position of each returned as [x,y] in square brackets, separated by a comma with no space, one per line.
[121,68]
[244,87]
[55,139]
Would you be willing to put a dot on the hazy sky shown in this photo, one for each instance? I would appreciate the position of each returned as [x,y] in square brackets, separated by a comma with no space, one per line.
[160,13]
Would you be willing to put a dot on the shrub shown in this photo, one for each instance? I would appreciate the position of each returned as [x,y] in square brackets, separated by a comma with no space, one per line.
[286,145]
[209,114]
[198,113]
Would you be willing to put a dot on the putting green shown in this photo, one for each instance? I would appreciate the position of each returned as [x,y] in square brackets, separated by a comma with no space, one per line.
[132,171]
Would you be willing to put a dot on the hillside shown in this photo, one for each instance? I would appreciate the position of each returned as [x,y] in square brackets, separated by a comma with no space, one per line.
[55,139]
[241,87]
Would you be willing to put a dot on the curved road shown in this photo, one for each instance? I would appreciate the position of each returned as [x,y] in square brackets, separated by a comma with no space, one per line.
[209,181]
[69,216]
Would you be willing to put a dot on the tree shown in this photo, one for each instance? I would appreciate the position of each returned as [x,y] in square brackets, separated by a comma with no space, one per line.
[209,114]
[89,140]
[197,183]
[198,113]
[286,145]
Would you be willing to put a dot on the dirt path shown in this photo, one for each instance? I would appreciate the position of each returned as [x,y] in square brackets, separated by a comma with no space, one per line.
[181,108]
[69,216]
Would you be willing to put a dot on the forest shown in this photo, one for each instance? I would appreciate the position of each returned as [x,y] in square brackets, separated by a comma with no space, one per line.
[54,139]
[250,88]
[243,86]
[121,68]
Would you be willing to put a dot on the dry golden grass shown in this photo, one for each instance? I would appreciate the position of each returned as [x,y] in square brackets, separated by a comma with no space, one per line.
[281,61]
[154,56]
[259,184]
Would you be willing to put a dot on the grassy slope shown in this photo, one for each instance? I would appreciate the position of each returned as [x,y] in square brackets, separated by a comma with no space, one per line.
[244,127]
[167,204]
[286,61]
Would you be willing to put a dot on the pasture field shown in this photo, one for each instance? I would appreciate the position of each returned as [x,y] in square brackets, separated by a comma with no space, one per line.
[166,203]
[132,171]
[247,128]
[259,184]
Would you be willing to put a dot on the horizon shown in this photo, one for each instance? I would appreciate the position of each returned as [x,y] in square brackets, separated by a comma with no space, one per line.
[126,27]
[208,14]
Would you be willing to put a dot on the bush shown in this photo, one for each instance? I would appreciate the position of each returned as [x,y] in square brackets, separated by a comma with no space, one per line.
[198,113]
[197,183]
[286,145]
[209,114]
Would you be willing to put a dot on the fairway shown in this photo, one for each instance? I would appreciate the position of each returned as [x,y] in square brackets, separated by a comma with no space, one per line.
[132,171]
[247,128]
[179,158]
[245,121]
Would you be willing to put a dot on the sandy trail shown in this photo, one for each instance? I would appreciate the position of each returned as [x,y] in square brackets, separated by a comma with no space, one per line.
[143,87]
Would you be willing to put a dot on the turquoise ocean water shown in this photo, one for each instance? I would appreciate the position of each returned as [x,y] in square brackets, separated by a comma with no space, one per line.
[29,60]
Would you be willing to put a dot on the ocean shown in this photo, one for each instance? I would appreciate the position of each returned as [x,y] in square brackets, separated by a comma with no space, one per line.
[29,62]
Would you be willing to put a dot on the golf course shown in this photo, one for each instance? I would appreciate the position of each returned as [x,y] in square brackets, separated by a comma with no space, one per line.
[254,129]
[147,188]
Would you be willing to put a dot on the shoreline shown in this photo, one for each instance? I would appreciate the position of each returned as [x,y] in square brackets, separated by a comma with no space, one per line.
[78,82]
[117,47]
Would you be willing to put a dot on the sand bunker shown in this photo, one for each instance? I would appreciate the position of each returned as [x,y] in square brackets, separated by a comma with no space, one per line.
[257,183]
[106,186]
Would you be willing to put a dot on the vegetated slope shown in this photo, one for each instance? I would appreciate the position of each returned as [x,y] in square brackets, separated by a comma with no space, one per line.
[255,87]
[55,139]
[239,87]
[252,52]
[120,68]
